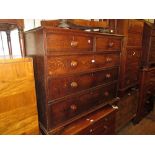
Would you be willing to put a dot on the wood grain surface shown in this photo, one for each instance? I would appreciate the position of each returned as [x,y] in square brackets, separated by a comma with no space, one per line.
[18,108]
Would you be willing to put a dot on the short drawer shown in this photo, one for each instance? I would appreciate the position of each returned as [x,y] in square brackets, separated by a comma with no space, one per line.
[133,55]
[131,79]
[69,43]
[104,126]
[61,86]
[60,65]
[108,44]
[63,111]
[135,26]
[134,40]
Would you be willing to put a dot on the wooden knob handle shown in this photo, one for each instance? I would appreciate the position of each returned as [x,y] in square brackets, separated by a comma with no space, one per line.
[74,63]
[105,127]
[148,92]
[108,75]
[91,130]
[74,84]
[111,44]
[74,43]
[73,107]
[89,41]
[93,61]
[106,119]
[106,93]
[108,59]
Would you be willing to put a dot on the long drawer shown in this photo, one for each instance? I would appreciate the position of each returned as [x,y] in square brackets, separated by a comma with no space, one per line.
[69,42]
[69,64]
[99,122]
[62,86]
[108,44]
[62,111]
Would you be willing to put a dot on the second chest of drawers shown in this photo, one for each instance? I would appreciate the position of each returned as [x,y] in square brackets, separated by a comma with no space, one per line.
[76,73]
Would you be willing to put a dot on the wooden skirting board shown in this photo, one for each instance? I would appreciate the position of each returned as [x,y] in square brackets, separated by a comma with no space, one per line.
[18,108]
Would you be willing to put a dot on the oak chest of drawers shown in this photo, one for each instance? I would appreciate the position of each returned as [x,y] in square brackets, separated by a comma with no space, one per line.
[147,91]
[131,55]
[76,73]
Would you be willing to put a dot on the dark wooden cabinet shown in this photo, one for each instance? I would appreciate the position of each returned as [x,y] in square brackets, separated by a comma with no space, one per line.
[130,59]
[148,55]
[76,74]
[147,91]
[127,108]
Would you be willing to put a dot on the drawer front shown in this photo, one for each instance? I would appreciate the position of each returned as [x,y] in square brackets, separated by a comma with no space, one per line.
[69,42]
[133,55]
[135,26]
[108,44]
[132,68]
[104,126]
[59,65]
[69,108]
[127,108]
[62,86]
[106,60]
[134,40]
[131,79]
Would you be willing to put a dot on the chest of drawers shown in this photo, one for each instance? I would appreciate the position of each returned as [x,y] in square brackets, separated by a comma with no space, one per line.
[147,90]
[76,73]
[148,55]
[131,55]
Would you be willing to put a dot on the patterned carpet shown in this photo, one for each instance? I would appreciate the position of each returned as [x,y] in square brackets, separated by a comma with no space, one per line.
[145,127]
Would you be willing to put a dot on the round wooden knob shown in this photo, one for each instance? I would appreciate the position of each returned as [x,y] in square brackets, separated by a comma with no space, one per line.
[93,61]
[105,127]
[106,119]
[74,44]
[111,44]
[89,41]
[106,93]
[73,107]
[91,130]
[108,75]
[74,85]
[108,59]
[74,63]
[148,92]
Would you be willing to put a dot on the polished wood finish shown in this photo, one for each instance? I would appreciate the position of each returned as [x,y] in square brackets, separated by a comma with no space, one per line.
[148,55]
[127,108]
[73,77]
[100,122]
[62,86]
[147,91]
[78,23]
[18,107]
[131,55]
